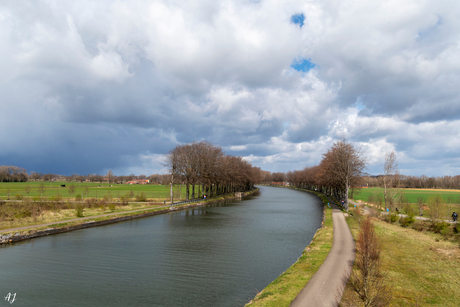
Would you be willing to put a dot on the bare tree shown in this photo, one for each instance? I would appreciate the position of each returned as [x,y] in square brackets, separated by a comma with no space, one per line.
[41,188]
[109,176]
[342,167]
[71,189]
[367,280]
[390,177]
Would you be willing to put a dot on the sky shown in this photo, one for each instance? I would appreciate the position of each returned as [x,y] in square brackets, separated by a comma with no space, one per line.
[92,86]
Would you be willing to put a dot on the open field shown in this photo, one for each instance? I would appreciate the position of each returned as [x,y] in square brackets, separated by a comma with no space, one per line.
[422,269]
[449,196]
[15,190]
[287,286]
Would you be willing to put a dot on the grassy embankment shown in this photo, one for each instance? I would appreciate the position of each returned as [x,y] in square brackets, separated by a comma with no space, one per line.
[422,268]
[285,288]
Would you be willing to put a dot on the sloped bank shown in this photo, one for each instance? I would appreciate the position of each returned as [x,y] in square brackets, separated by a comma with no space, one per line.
[62,226]
[284,289]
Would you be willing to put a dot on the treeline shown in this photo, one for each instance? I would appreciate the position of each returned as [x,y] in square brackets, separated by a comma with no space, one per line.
[18,174]
[205,165]
[9,173]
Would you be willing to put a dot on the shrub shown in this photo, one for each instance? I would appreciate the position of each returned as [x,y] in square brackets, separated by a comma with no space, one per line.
[419,226]
[112,206]
[36,198]
[18,197]
[374,212]
[79,210]
[90,203]
[141,197]
[101,204]
[23,212]
[392,218]
[439,226]
[124,201]
[456,228]
[407,221]
[78,197]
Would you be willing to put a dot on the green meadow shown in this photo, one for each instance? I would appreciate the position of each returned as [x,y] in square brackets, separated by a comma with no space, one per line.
[411,195]
[18,190]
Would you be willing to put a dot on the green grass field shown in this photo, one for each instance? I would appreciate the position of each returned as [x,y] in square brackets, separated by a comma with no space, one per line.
[449,196]
[10,190]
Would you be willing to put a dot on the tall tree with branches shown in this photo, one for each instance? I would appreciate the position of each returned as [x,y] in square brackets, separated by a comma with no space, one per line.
[390,177]
[343,166]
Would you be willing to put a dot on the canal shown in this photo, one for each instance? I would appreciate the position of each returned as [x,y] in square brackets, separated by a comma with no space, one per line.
[219,255]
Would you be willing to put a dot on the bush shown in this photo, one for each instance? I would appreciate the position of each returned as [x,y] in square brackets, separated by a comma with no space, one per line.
[101,204]
[392,218]
[407,221]
[78,197]
[141,197]
[439,227]
[23,212]
[419,226]
[91,203]
[112,206]
[18,197]
[79,210]
[456,228]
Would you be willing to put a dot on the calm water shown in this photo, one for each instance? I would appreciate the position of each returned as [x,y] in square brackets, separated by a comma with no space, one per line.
[220,255]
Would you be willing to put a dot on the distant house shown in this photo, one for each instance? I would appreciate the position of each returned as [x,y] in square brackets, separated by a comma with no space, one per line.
[144,181]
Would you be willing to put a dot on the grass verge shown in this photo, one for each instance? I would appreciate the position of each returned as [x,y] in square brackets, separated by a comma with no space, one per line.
[422,269]
[285,288]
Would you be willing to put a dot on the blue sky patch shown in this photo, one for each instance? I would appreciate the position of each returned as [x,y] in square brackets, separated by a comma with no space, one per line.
[298,19]
[302,65]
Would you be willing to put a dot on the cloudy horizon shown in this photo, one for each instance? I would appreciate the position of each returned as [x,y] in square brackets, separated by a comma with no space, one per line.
[89,86]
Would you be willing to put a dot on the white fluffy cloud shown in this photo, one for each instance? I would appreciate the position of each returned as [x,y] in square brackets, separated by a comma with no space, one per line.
[90,86]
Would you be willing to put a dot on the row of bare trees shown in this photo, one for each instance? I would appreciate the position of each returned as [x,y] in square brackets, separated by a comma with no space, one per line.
[205,165]
[418,182]
[341,167]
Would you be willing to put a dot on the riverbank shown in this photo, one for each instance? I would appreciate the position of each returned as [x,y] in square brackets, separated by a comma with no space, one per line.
[284,289]
[8,236]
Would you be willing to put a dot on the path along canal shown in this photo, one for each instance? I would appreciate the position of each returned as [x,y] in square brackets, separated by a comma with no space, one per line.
[219,255]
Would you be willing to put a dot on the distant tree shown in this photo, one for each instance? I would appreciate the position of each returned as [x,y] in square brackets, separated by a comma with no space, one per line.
[71,189]
[390,177]
[109,176]
[435,202]
[41,188]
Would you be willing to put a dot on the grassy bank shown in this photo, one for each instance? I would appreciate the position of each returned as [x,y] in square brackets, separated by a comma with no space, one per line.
[60,215]
[422,269]
[285,288]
